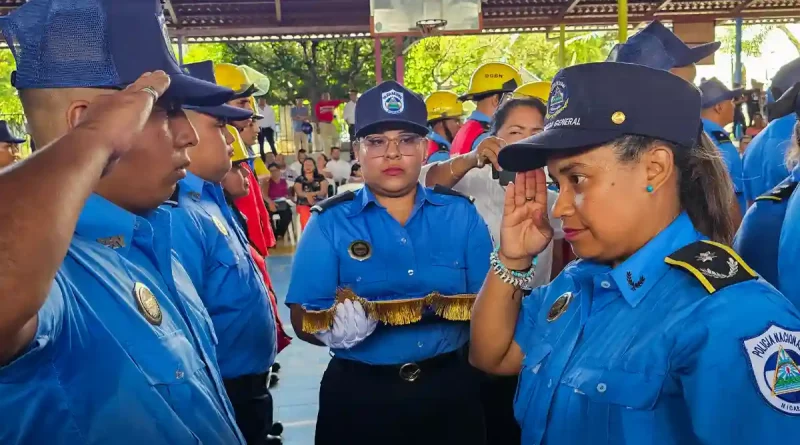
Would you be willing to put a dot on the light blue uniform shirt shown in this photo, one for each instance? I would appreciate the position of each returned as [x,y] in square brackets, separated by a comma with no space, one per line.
[444,246]
[731,157]
[652,358]
[765,158]
[215,253]
[757,238]
[789,247]
[480,117]
[97,371]
[440,155]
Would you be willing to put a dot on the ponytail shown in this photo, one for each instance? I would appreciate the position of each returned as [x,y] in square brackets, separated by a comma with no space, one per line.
[705,188]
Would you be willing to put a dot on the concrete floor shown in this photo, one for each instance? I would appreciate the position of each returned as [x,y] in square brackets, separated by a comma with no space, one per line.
[302,365]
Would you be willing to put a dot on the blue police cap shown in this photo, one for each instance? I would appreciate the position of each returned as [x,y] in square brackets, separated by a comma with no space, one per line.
[787,104]
[713,91]
[642,49]
[786,76]
[680,53]
[7,136]
[205,71]
[98,44]
[390,106]
[596,103]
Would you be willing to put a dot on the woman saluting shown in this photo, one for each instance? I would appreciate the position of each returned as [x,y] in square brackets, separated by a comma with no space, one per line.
[659,334]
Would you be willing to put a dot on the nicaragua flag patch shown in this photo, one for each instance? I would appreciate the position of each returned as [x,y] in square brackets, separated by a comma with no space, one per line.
[774,357]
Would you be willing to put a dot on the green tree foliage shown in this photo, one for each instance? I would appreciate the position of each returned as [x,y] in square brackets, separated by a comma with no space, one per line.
[10,106]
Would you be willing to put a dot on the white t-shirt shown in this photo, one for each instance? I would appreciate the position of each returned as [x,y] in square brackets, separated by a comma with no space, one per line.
[269,117]
[350,112]
[489,196]
[296,169]
[339,169]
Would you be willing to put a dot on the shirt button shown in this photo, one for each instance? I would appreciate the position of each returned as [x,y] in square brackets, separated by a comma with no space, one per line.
[410,272]
[605,284]
[358,279]
[601,387]
[456,263]
[403,240]
[419,345]
[179,374]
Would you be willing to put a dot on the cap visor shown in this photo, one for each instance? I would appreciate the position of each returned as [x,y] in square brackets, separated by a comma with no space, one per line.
[389,124]
[225,112]
[252,90]
[733,94]
[13,141]
[257,117]
[702,51]
[189,90]
[533,152]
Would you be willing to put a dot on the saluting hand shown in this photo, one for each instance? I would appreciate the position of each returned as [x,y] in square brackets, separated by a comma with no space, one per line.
[525,229]
[487,151]
[118,117]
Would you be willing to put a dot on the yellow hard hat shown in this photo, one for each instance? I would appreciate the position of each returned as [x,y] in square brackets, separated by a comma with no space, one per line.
[536,90]
[443,105]
[257,116]
[493,77]
[260,80]
[240,152]
[229,75]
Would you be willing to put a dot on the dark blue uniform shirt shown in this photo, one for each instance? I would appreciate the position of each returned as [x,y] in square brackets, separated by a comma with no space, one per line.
[99,371]
[444,246]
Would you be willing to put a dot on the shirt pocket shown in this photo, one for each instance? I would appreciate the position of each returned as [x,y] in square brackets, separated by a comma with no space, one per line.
[357,275]
[449,269]
[530,377]
[167,362]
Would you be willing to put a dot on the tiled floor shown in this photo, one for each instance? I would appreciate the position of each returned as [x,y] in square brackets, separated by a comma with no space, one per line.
[302,365]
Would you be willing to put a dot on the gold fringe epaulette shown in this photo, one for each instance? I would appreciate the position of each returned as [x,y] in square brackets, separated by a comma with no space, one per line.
[394,312]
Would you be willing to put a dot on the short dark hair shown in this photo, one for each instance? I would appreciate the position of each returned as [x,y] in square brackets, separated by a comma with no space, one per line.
[353,90]
[302,150]
[272,164]
[336,148]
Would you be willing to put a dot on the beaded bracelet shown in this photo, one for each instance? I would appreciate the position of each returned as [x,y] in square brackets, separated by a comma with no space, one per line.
[520,279]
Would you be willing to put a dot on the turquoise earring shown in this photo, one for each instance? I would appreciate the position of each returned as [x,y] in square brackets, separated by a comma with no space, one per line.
[649,189]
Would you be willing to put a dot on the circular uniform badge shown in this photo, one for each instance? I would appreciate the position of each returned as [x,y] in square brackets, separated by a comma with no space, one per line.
[147,304]
[559,306]
[222,229]
[360,250]
[774,357]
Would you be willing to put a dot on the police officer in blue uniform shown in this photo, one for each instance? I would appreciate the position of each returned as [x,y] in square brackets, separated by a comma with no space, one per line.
[718,108]
[381,281]
[103,338]
[214,250]
[660,333]
[764,161]
[758,237]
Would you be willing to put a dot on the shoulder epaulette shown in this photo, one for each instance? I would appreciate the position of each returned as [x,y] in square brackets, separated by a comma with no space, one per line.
[333,200]
[442,190]
[715,265]
[486,125]
[779,193]
[720,137]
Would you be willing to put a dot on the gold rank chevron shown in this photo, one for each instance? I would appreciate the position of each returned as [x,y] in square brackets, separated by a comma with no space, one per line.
[394,312]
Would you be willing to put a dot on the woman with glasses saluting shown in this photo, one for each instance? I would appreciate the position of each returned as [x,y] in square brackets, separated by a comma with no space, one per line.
[392,287]
[660,333]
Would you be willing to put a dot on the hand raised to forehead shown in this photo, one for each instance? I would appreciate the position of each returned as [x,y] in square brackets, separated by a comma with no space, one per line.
[525,230]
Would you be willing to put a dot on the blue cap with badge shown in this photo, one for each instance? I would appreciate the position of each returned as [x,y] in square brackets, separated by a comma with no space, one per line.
[390,106]
[670,51]
[98,44]
[205,71]
[596,103]
[714,92]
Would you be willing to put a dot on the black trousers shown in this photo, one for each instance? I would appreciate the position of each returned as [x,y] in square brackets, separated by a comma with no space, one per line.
[351,130]
[283,224]
[365,405]
[252,404]
[267,134]
[497,395]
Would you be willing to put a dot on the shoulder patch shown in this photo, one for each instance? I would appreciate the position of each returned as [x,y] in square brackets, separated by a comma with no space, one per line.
[715,265]
[774,356]
[442,190]
[779,193]
[720,137]
[333,201]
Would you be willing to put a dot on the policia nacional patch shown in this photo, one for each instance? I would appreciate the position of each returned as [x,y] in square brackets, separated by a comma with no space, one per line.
[147,304]
[360,250]
[774,357]
[715,265]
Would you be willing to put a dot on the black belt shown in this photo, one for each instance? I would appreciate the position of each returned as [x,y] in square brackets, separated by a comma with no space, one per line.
[247,384]
[407,371]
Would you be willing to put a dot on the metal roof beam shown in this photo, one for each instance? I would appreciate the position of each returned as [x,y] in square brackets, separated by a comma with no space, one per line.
[744,4]
[651,13]
[572,4]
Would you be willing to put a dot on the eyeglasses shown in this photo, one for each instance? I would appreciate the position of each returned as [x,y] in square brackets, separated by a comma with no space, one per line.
[377,146]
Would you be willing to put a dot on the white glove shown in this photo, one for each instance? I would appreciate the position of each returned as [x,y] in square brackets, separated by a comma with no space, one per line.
[351,326]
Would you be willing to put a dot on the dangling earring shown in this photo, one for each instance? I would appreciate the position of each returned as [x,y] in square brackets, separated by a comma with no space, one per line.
[649,188]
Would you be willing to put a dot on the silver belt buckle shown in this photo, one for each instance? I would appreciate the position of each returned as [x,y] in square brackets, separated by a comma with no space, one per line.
[410,372]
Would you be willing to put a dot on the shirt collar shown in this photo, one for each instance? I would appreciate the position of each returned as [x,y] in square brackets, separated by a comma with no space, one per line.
[436,137]
[106,223]
[639,273]
[712,126]
[364,197]
[478,116]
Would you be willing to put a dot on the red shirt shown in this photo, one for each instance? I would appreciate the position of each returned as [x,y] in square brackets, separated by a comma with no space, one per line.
[325,108]
[259,227]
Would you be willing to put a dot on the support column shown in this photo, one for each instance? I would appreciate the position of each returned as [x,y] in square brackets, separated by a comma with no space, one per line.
[562,44]
[378,62]
[400,60]
[180,50]
[622,20]
[737,68]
